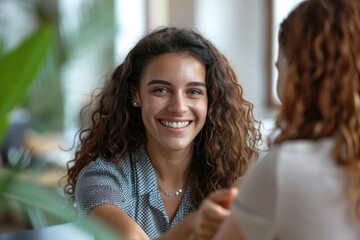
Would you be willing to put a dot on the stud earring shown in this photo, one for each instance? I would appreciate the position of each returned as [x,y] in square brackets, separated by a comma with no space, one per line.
[135,104]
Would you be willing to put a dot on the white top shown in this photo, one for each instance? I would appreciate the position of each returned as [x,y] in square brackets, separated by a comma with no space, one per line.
[296,191]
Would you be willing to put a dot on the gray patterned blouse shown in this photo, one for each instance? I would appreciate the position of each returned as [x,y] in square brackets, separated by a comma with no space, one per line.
[132,187]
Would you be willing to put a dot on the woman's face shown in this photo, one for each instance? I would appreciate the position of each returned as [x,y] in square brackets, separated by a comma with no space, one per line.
[173,100]
[282,67]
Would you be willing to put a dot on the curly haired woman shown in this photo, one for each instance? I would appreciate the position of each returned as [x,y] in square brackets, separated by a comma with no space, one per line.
[170,126]
[308,185]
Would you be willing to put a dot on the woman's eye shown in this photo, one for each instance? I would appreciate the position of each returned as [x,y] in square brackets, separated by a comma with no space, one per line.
[194,92]
[160,90]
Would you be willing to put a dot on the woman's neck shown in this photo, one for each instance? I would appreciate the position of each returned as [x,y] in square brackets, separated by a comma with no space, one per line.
[171,167]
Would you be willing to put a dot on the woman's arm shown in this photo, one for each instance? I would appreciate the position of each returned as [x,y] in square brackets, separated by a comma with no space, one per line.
[253,210]
[120,222]
[229,230]
[128,229]
[201,224]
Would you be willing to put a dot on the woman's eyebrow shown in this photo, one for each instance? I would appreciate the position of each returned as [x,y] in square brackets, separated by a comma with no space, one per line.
[196,84]
[163,82]
[157,81]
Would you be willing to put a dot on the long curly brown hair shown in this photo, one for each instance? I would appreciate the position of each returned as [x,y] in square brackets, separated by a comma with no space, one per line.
[321,98]
[223,149]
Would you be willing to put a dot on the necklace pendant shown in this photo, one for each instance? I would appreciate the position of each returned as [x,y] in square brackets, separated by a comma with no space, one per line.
[175,194]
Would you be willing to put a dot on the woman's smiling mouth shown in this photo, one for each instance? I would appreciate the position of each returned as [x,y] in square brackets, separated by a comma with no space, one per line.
[175,124]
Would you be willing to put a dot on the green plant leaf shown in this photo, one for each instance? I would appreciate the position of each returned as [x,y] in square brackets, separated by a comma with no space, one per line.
[22,188]
[3,127]
[19,68]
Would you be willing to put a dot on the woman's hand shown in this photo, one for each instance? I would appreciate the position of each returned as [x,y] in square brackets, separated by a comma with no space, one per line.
[213,210]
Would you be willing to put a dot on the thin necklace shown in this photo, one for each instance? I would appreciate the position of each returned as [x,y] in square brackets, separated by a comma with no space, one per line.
[169,194]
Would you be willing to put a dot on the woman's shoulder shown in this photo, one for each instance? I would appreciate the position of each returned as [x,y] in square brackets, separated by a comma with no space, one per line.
[301,153]
[306,146]
[119,169]
[99,164]
[297,155]
[103,182]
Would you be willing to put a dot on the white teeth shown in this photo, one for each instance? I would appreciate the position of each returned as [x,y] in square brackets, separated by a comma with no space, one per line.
[175,124]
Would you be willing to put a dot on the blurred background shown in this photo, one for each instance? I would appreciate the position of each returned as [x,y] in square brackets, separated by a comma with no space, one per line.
[91,37]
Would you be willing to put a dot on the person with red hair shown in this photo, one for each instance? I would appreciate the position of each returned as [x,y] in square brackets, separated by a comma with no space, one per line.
[308,185]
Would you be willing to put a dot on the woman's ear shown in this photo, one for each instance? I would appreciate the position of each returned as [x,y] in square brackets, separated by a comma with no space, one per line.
[135,97]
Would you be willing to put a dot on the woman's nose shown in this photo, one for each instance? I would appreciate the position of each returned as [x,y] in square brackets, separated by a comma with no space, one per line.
[178,104]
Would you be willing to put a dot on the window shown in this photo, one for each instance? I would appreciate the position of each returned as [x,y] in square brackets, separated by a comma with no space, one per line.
[280,9]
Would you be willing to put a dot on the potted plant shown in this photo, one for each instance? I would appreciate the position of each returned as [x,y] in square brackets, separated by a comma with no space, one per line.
[18,69]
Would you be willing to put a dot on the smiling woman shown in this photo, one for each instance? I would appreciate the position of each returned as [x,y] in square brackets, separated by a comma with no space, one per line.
[170,127]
